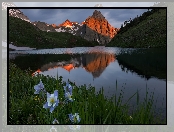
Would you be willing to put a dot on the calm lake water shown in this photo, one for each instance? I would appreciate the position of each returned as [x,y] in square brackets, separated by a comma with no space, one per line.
[134,69]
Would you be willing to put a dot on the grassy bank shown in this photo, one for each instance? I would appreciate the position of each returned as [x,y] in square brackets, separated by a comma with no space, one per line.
[149,29]
[25,107]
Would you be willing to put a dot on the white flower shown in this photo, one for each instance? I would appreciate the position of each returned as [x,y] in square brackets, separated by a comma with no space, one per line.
[55,121]
[52,101]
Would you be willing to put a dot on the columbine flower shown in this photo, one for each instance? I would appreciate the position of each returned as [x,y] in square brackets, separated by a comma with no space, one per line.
[68,88]
[55,121]
[38,87]
[68,92]
[74,118]
[52,101]
[68,96]
[74,127]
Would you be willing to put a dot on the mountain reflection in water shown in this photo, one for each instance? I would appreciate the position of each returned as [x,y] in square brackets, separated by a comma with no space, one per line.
[94,63]
[101,67]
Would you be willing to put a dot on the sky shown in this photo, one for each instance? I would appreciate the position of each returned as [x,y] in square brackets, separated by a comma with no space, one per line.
[115,17]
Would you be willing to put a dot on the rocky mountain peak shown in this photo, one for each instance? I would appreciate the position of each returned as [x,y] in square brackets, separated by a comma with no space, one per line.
[67,20]
[14,12]
[67,23]
[99,25]
[98,15]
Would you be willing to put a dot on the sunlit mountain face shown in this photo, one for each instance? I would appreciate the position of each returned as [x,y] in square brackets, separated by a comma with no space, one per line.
[94,63]
[98,23]
[93,28]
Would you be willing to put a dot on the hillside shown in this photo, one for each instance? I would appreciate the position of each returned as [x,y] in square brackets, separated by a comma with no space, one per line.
[147,30]
[23,33]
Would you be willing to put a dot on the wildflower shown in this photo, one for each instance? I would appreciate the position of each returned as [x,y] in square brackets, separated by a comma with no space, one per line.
[52,101]
[68,92]
[38,87]
[68,88]
[68,96]
[55,121]
[74,118]
[74,127]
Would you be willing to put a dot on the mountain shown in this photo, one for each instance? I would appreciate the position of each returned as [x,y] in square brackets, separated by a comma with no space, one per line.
[97,28]
[41,25]
[94,28]
[68,26]
[98,23]
[44,26]
[17,13]
[145,31]
[67,23]
[23,33]
[14,12]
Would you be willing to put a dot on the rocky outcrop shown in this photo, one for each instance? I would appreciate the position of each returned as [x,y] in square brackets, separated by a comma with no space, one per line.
[68,26]
[98,28]
[44,26]
[91,35]
[94,28]
[17,13]
[67,23]
[14,12]
[98,23]
[53,25]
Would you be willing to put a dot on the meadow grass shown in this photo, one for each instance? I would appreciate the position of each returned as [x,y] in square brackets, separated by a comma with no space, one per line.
[93,107]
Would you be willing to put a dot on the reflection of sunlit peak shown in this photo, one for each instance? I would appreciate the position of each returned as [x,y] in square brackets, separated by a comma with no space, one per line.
[68,67]
[55,66]
[50,69]
[36,72]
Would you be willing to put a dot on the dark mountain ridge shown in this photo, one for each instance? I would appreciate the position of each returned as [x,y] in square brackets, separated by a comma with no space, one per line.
[96,29]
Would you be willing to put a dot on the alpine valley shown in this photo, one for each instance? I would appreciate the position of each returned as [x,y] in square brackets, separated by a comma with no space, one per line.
[141,32]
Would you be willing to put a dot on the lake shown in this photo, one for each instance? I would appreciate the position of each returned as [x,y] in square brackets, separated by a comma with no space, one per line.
[133,69]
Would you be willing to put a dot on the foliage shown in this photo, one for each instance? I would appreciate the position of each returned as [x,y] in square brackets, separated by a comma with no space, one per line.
[93,108]
[145,62]
[147,30]
[23,33]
